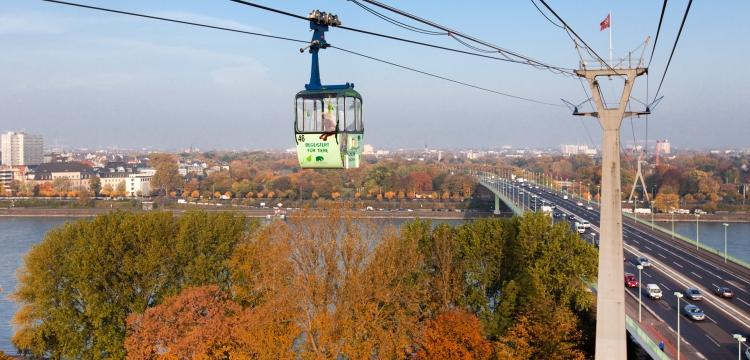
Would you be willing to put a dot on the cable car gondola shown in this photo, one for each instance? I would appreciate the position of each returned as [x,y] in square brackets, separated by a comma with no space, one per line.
[328,123]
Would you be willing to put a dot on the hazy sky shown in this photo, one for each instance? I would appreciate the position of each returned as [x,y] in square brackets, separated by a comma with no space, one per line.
[85,78]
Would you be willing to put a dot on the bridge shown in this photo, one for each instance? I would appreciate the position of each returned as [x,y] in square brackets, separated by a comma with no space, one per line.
[676,264]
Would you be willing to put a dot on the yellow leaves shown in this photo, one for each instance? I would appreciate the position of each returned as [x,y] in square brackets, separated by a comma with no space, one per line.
[454,334]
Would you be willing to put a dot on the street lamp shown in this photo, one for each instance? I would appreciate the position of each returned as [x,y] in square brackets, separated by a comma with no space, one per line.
[725,241]
[672,223]
[652,213]
[697,234]
[679,296]
[740,339]
[640,268]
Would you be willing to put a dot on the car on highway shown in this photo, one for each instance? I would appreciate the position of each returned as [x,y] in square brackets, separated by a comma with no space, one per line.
[653,291]
[580,228]
[630,280]
[585,224]
[589,207]
[693,312]
[693,294]
[571,217]
[644,261]
[565,197]
[723,291]
[579,203]
[557,214]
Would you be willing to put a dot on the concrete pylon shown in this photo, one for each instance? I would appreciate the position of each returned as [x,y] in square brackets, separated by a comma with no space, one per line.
[610,296]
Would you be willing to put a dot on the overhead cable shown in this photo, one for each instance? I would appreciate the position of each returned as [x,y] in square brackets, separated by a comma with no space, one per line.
[658,29]
[588,48]
[455,33]
[676,40]
[299,41]
[174,20]
[445,78]
[553,69]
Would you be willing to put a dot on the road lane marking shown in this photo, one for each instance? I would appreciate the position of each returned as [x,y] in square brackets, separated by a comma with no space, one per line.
[712,320]
[693,272]
[645,273]
[680,266]
[648,248]
[664,286]
[662,255]
[635,241]
[735,313]
[712,340]
[743,301]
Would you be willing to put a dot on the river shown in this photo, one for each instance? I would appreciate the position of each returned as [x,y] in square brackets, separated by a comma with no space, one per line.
[19,234]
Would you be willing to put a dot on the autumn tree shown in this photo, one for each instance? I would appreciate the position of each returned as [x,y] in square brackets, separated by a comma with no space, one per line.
[107,190]
[666,202]
[454,334]
[167,176]
[204,323]
[120,190]
[114,265]
[95,185]
[62,186]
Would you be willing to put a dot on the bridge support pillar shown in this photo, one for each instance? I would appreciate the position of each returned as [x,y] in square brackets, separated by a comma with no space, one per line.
[497,205]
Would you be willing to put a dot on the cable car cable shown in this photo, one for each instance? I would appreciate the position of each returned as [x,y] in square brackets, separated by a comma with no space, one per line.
[175,21]
[456,33]
[445,78]
[293,40]
[545,15]
[396,22]
[682,25]
[589,49]
[658,29]
[554,69]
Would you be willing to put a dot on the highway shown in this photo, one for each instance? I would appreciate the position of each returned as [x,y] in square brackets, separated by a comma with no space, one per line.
[676,265]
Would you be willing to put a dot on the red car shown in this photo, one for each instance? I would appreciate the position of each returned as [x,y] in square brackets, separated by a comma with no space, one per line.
[630,280]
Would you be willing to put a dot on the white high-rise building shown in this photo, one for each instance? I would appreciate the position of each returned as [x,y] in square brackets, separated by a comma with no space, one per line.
[21,149]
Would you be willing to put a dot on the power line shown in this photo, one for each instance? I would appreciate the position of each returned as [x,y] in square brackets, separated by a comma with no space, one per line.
[682,25]
[658,29]
[175,21]
[414,42]
[455,33]
[299,41]
[445,78]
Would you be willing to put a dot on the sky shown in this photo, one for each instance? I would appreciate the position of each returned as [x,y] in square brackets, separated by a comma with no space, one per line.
[83,78]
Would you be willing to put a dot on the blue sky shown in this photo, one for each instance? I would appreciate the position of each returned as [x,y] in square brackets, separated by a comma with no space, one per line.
[90,79]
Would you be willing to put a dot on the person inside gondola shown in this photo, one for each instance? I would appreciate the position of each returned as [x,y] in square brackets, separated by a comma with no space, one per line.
[329,123]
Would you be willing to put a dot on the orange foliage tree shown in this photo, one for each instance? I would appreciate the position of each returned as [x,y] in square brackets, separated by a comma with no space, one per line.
[454,334]
[203,324]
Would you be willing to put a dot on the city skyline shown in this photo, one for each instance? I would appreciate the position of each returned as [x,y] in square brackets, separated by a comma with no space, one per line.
[137,83]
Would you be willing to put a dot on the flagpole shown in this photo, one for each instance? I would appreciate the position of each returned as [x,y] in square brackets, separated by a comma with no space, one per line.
[610,38]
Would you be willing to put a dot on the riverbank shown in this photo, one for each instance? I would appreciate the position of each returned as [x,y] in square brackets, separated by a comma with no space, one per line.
[253,213]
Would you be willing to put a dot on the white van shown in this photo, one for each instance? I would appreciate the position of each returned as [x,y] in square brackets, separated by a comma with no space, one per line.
[653,291]
[580,228]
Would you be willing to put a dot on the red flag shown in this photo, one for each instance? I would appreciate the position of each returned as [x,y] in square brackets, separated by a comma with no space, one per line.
[604,24]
